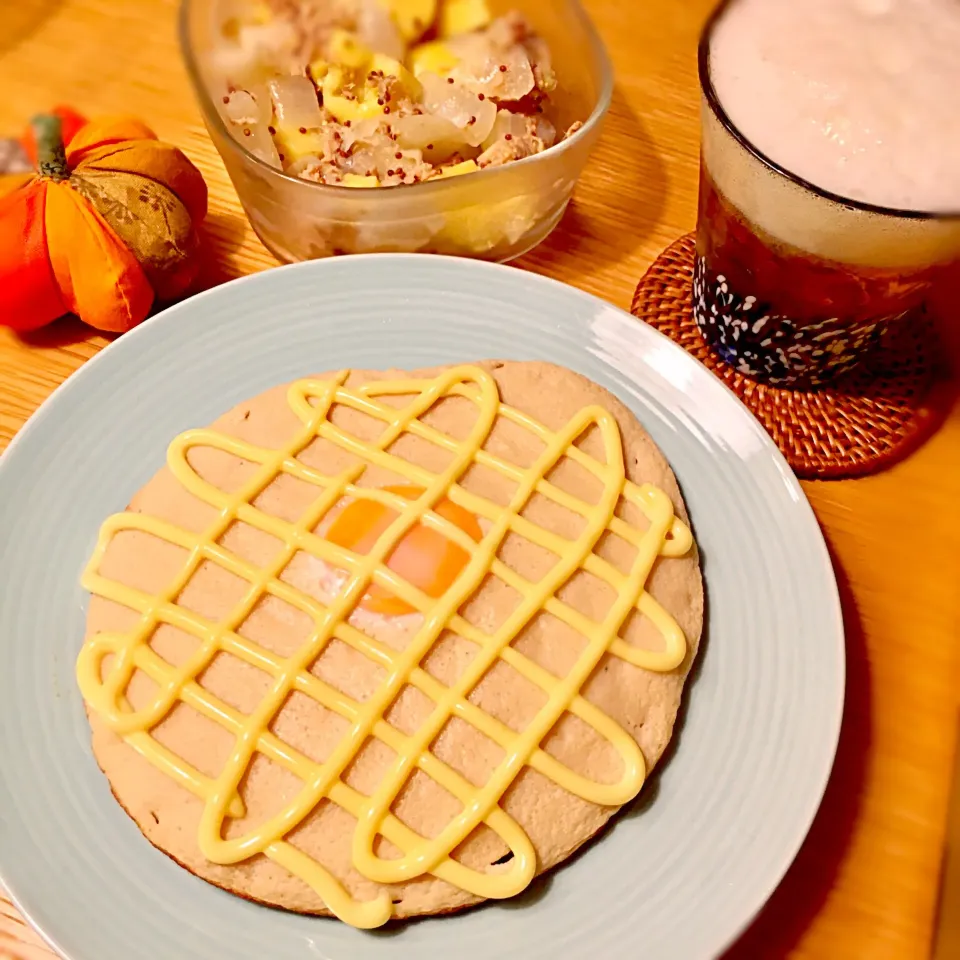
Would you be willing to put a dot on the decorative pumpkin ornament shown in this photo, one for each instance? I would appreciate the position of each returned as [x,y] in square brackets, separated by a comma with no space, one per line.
[102,229]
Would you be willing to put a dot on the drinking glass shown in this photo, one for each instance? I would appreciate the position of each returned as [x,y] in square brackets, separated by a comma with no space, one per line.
[794,285]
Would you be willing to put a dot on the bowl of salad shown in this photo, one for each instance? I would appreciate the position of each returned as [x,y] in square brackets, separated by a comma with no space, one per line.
[437,126]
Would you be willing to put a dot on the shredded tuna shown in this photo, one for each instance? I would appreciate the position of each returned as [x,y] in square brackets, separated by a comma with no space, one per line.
[505,151]
[314,21]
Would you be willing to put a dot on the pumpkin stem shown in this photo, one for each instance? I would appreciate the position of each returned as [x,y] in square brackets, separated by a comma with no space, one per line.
[51,155]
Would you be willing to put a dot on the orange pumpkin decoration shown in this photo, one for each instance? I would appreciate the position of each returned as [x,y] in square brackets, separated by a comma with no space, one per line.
[104,228]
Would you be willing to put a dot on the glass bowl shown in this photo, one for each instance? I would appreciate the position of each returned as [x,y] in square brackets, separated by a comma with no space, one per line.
[497,213]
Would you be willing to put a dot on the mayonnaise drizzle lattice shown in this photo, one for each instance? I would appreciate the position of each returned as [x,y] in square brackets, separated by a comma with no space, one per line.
[312,402]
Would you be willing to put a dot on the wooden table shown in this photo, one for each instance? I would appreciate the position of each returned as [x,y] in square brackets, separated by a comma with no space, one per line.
[865,884]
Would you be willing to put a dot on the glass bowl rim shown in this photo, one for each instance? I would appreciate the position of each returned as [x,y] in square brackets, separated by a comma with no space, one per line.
[713,101]
[214,119]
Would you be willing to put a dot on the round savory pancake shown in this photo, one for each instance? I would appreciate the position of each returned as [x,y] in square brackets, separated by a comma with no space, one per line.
[643,702]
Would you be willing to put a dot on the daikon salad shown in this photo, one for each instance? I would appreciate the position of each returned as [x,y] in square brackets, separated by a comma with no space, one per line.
[380,93]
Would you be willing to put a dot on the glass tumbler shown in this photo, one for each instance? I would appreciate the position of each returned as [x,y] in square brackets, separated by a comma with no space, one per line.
[794,285]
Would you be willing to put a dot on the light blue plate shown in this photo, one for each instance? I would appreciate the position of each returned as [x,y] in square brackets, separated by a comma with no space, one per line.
[674,879]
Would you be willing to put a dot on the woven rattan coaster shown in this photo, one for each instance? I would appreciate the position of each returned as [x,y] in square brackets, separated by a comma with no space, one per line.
[863,421]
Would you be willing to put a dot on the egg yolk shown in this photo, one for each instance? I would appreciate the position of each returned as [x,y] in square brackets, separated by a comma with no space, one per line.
[424,558]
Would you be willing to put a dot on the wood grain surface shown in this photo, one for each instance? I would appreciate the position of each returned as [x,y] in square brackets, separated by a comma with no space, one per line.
[865,884]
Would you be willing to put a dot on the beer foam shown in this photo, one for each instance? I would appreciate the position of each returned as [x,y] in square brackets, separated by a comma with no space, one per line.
[855,96]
